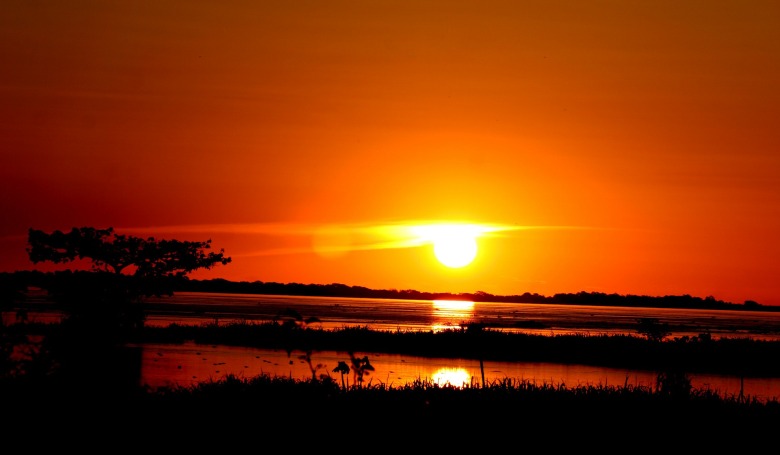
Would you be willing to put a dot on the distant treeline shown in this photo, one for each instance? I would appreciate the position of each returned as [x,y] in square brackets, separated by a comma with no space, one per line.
[13,282]
[580,298]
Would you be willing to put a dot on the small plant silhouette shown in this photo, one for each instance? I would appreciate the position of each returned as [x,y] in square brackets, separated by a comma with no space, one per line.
[306,357]
[361,368]
[343,369]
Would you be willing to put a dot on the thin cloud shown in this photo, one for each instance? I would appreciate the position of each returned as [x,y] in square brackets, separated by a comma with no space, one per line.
[336,239]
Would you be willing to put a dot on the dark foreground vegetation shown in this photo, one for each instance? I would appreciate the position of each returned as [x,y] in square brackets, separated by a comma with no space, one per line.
[310,414]
[72,378]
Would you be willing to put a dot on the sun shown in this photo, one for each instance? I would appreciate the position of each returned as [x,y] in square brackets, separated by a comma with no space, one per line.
[455,246]
[454,243]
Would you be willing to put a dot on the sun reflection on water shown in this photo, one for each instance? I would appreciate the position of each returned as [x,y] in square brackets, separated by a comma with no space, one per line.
[449,314]
[456,377]
[454,306]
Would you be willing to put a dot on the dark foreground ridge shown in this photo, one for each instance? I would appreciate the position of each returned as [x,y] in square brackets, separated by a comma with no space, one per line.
[421,415]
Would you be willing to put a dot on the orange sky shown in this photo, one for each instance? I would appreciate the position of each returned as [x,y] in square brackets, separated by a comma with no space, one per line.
[631,146]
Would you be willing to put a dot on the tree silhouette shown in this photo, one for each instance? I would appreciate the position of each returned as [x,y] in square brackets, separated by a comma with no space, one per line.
[653,329]
[124,269]
[102,306]
[113,252]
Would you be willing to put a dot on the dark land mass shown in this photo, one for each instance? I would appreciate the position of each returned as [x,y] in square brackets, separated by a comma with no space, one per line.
[579,298]
[11,281]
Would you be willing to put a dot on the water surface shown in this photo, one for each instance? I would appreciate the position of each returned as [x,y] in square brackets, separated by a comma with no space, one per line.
[397,314]
[164,365]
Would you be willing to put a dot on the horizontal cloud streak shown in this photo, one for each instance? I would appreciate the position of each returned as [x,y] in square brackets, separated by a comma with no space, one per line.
[338,238]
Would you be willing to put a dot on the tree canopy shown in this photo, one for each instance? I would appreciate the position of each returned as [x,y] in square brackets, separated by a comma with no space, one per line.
[116,253]
[124,269]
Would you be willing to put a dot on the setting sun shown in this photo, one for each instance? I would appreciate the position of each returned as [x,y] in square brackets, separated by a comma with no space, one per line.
[456,249]
[454,245]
